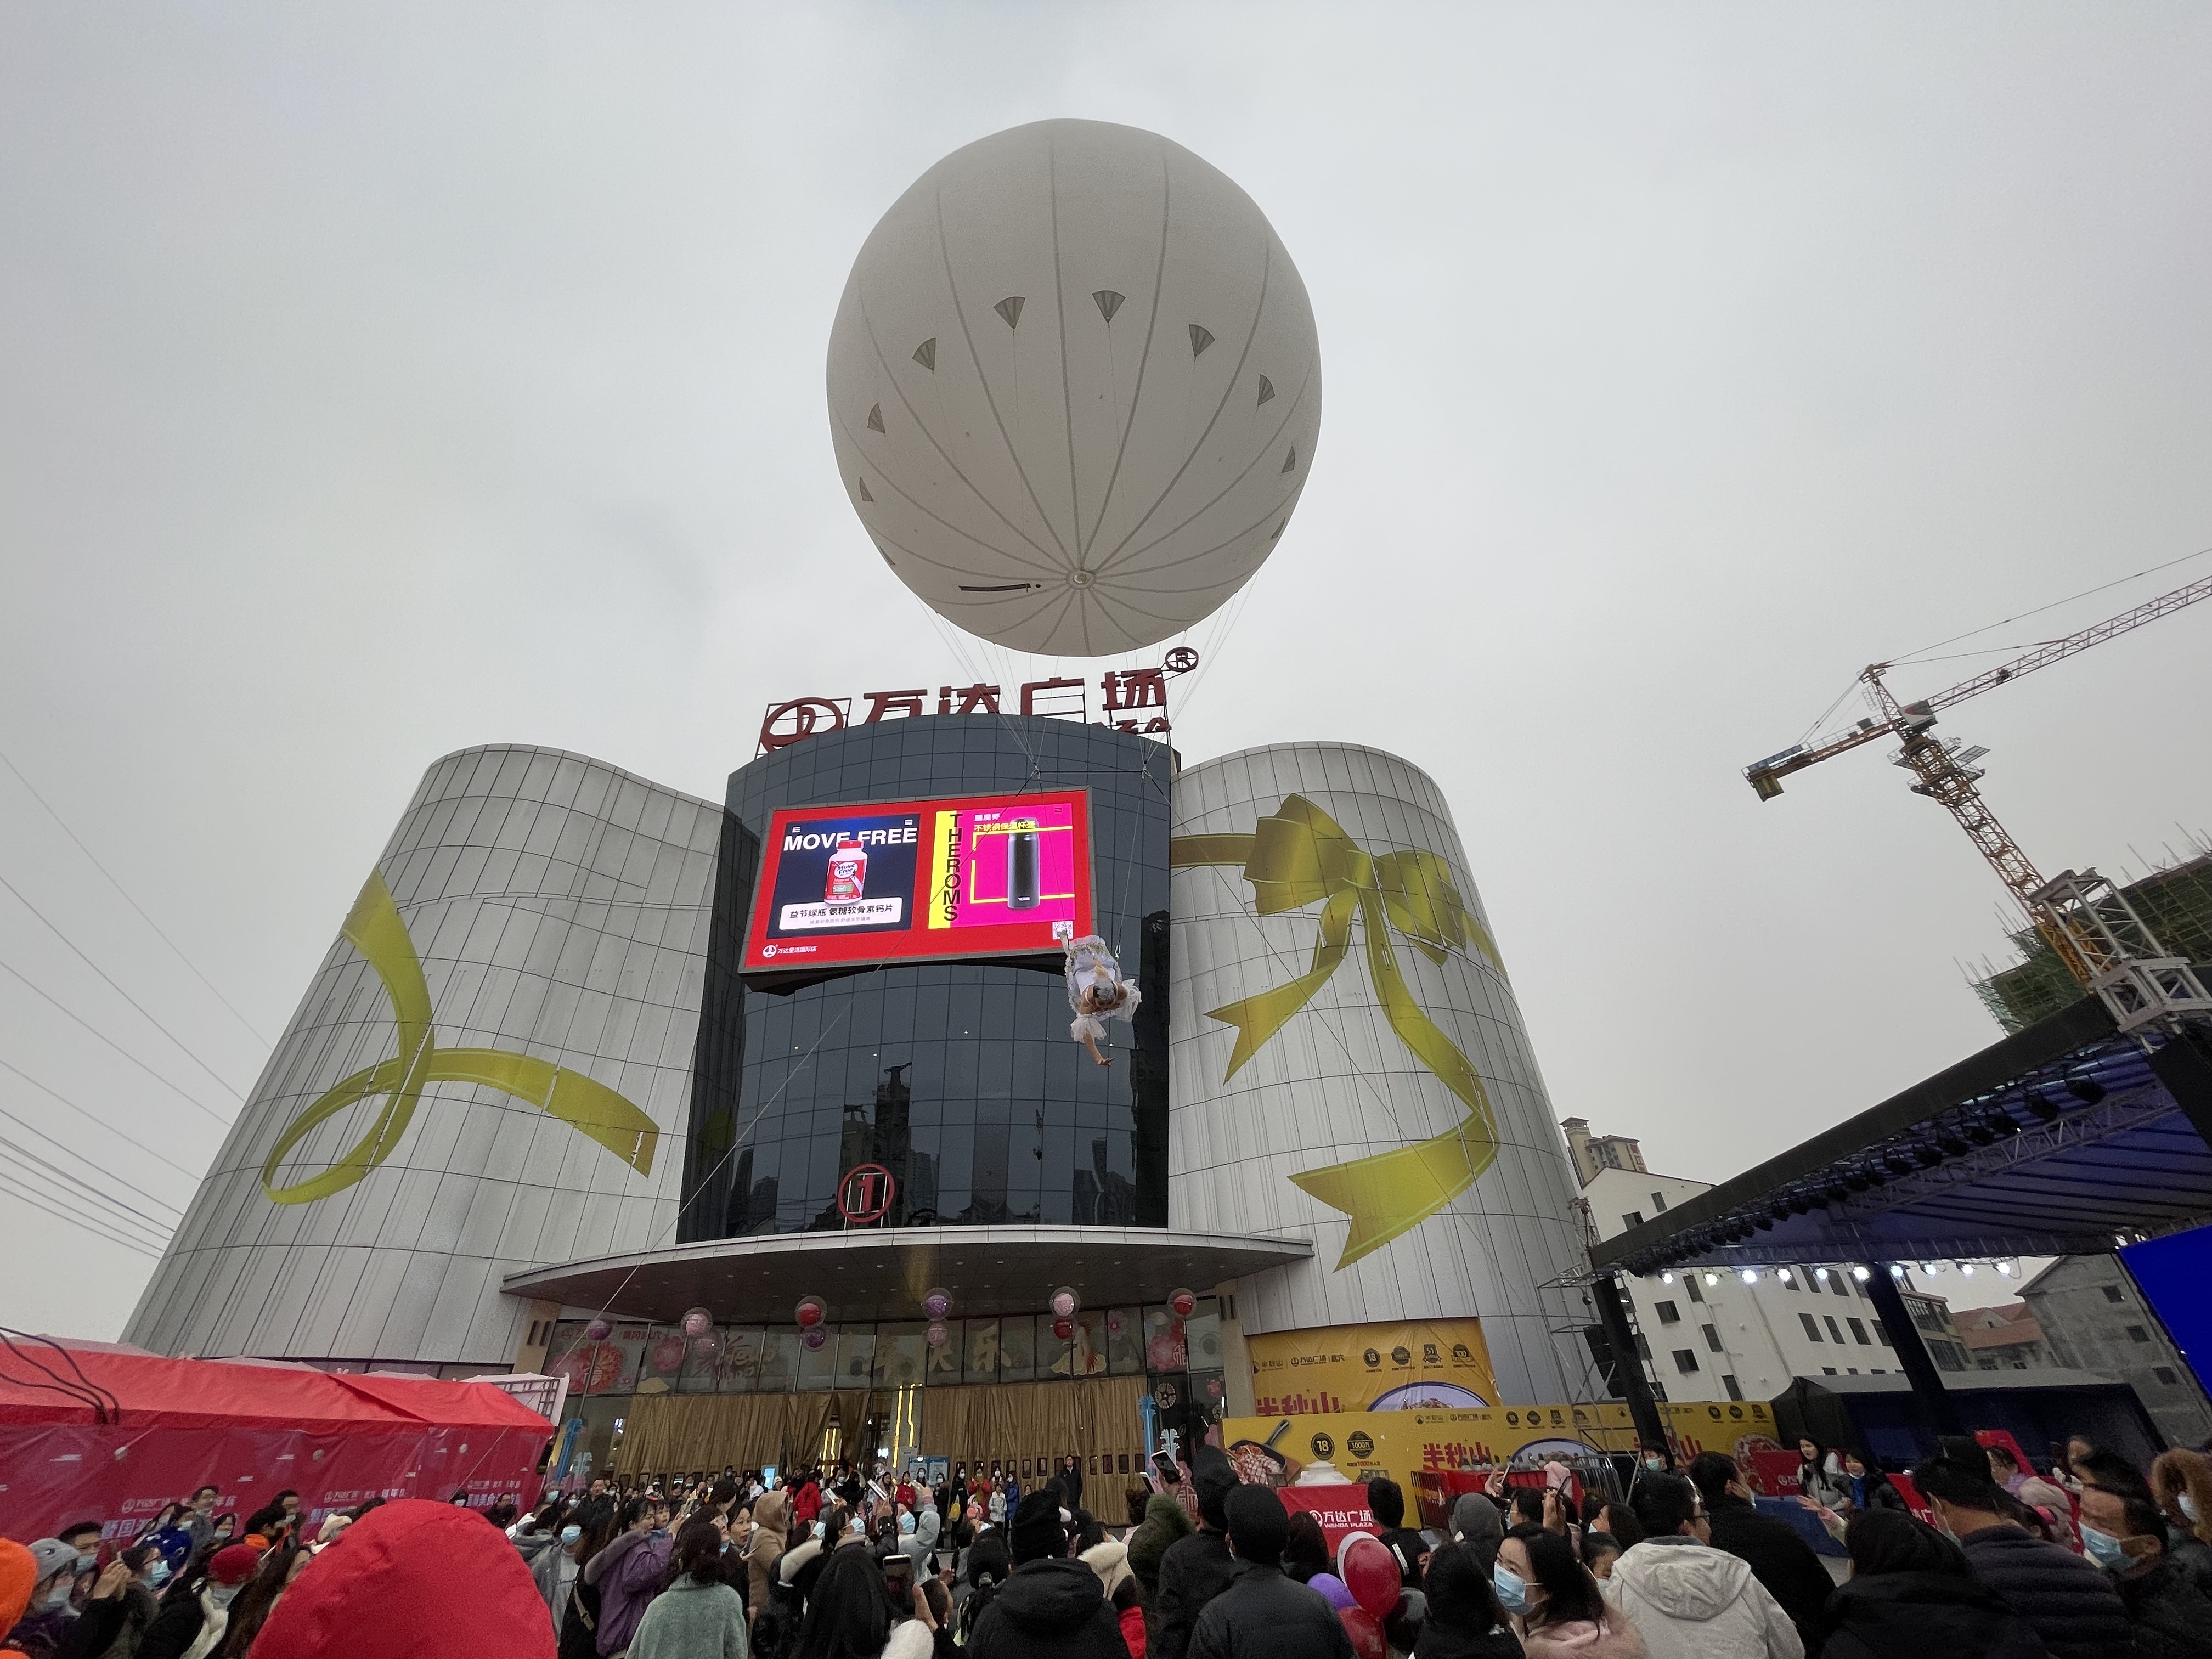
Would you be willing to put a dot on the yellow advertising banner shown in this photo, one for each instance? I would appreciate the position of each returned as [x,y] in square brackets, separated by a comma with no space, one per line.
[1404,1443]
[1440,1365]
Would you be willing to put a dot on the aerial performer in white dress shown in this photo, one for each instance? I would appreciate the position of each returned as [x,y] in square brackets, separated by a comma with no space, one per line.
[1097,992]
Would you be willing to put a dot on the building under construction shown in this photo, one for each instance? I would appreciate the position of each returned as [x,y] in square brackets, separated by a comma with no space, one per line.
[2177,903]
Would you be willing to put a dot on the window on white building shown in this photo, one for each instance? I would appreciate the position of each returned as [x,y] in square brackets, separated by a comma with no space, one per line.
[1685,1360]
[1858,1333]
[1733,1391]
[1690,1284]
[1632,1219]
[1712,1339]
[1834,1335]
[1812,1329]
[1668,1312]
[2111,1292]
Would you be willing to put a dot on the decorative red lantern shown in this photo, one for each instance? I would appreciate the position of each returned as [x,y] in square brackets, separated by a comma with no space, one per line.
[1183,1302]
[1063,1328]
[811,1312]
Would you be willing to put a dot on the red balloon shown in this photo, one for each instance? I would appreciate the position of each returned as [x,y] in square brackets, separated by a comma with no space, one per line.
[1366,1631]
[1370,1572]
[1063,1328]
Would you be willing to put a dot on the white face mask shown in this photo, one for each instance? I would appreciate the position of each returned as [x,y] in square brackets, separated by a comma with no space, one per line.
[2188,1507]
[219,1596]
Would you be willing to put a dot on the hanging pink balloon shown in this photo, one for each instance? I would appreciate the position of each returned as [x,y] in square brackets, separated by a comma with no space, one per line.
[667,1355]
[1064,1301]
[811,1312]
[938,1333]
[814,1336]
[938,1302]
[698,1323]
[598,1330]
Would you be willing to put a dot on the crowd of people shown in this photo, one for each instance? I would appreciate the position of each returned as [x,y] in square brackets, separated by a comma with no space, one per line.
[2092,1559]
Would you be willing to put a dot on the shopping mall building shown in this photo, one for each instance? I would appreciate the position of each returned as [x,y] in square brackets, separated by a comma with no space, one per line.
[540,1100]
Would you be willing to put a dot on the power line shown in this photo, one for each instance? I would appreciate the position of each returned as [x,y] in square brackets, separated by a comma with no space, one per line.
[117,989]
[223,1122]
[96,1122]
[22,1197]
[135,1217]
[128,900]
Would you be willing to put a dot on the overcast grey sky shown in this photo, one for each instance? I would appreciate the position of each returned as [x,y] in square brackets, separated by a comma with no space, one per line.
[380,381]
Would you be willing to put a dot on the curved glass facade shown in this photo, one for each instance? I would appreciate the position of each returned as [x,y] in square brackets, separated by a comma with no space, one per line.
[961,1079]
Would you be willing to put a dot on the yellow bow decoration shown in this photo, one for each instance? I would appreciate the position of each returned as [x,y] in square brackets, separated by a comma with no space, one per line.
[1299,855]
[375,928]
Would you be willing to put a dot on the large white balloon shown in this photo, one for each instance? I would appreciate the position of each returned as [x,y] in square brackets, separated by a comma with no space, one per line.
[1075,387]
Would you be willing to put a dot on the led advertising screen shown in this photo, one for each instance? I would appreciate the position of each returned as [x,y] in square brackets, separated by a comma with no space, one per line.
[920,881]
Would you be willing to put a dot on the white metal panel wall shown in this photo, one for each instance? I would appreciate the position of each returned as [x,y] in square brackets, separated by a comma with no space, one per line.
[1336,1083]
[560,908]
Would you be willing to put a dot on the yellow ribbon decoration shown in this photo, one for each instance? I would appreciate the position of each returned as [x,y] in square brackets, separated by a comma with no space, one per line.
[375,928]
[1299,855]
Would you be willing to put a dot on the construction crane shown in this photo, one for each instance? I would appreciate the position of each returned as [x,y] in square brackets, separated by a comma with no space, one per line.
[2085,918]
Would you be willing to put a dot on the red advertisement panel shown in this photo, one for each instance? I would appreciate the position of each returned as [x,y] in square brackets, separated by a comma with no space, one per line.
[1341,1509]
[920,881]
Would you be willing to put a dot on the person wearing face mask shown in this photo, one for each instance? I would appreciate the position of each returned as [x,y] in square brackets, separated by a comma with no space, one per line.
[2170,1615]
[554,1569]
[1465,1620]
[121,1608]
[48,1615]
[2071,1604]
[1558,1609]
[192,1626]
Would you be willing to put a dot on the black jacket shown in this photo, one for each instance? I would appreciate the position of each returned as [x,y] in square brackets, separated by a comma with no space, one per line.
[1924,1615]
[176,1628]
[1050,1609]
[1193,1572]
[2071,1604]
[1435,1642]
[1407,1547]
[2171,1614]
[1263,1615]
[1779,1560]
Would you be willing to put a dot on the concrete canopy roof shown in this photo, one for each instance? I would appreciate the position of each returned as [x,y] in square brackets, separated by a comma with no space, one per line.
[2065,1138]
[882,1273]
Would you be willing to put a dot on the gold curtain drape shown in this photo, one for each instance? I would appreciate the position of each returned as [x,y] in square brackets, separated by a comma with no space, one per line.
[668,1432]
[1096,1416]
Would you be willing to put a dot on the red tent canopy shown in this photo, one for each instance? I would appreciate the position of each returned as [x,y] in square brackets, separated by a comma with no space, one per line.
[164,1426]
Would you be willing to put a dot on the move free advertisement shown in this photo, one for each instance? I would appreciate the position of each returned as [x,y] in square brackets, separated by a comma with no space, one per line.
[918,881]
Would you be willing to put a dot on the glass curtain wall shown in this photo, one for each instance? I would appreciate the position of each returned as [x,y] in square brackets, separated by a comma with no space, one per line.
[960,1080]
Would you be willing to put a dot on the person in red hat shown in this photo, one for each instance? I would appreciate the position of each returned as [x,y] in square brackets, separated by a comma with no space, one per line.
[411,1580]
[191,1625]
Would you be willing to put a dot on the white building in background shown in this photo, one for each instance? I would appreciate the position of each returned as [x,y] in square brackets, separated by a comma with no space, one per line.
[1708,1333]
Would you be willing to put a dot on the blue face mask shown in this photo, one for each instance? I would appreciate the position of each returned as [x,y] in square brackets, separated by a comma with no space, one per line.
[570,1534]
[86,1563]
[2104,1549]
[1512,1588]
[906,1523]
[159,1572]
